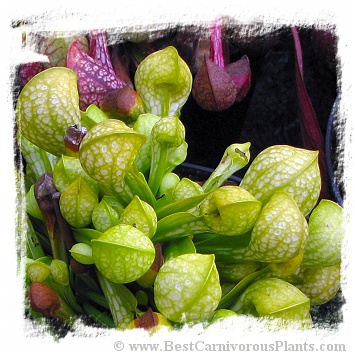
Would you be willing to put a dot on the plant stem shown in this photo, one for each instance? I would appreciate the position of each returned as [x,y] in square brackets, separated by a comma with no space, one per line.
[137,183]
[121,301]
[179,225]
[158,164]
[34,247]
[216,48]
[95,297]
[98,315]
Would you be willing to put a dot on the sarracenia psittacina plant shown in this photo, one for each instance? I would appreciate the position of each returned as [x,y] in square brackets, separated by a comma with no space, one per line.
[293,170]
[275,298]
[163,81]
[46,106]
[187,287]
[153,239]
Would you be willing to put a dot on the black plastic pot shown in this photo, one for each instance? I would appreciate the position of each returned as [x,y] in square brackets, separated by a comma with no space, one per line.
[334,149]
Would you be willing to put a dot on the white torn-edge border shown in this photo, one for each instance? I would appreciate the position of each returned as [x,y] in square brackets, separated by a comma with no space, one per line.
[21,16]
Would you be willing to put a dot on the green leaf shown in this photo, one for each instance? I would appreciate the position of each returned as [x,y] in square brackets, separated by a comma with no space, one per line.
[108,151]
[85,235]
[236,272]
[46,106]
[290,169]
[235,157]
[176,156]
[225,248]
[138,185]
[187,287]
[166,188]
[320,284]
[38,161]
[220,315]
[59,272]
[123,253]
[178,247]
[163,81]
[178,225]
[92,116]
[38,271]
[326,234]
[186,188]
[32,207]
[183,204]
[104,216]
[77,202]
[82,253]
[67,170]
[232,293]
[272,297]
[285,269]
[144,125]
[280,231]
[114,203]
[230,210]
[140,215]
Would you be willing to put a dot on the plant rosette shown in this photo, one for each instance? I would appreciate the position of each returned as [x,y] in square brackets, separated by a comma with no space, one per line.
[104,190]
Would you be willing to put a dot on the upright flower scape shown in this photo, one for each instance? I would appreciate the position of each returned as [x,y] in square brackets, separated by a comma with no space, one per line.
[116,237]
